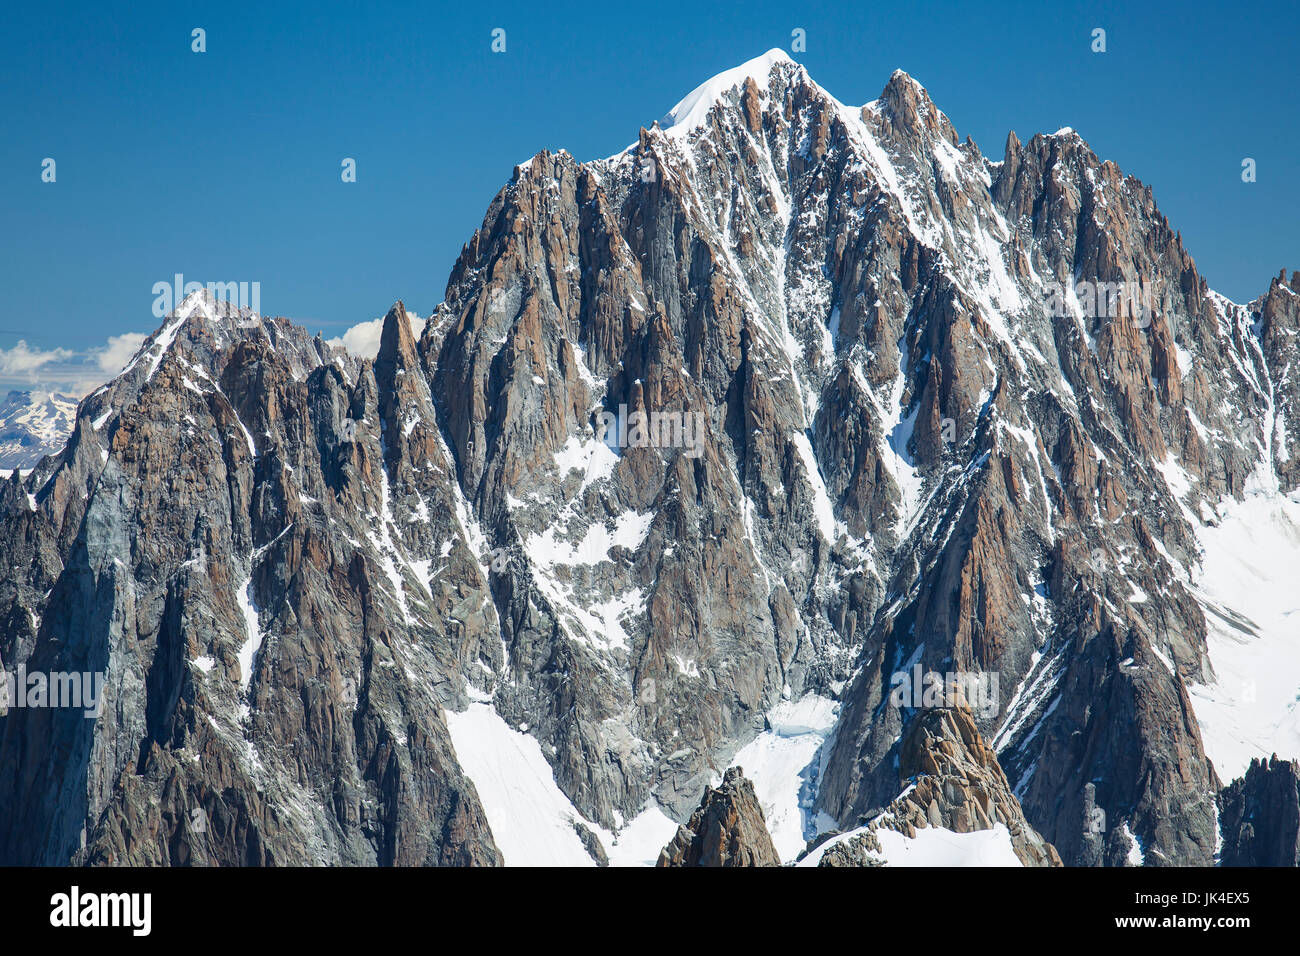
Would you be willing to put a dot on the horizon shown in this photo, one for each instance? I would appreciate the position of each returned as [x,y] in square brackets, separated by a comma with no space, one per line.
[130,208]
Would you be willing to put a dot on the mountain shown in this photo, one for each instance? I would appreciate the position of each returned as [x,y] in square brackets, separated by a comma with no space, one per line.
[797,436]
[727,830]
[33,425]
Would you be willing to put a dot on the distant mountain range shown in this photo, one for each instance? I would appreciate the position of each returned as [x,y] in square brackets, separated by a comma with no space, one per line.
[33,424]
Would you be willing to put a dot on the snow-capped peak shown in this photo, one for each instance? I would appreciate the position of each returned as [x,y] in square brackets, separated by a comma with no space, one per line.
[902,76]
[690,113]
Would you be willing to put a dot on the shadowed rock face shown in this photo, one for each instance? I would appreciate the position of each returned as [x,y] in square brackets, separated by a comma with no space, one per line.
[1259,816]
[728,829]
[873,443]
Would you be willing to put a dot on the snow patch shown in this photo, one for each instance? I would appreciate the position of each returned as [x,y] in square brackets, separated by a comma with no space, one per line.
[934,846]
[253,632]
[693,111]
[783,762]
[531,819]
[1246,585]
[545,550]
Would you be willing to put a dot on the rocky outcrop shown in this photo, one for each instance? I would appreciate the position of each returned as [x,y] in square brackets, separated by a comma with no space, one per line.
[957,784]
[860,850]
[1259,815]
[951,779]
[728,829]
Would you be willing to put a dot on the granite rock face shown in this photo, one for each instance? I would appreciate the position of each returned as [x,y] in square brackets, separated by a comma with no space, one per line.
[788,398]
[957,784]
[218,538]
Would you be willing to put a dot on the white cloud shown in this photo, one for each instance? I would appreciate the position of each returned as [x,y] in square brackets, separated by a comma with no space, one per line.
[362,340]
[64,370]
[77,373]
[120,349]
[22,362]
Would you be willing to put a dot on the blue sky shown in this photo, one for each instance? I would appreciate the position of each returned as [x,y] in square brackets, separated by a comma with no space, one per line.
[225,165]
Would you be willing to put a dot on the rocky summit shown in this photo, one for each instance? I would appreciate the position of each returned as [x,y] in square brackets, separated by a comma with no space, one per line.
[727,830]
[939,491]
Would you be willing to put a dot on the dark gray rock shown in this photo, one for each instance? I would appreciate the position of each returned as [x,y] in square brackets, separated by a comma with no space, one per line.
[1259,815]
